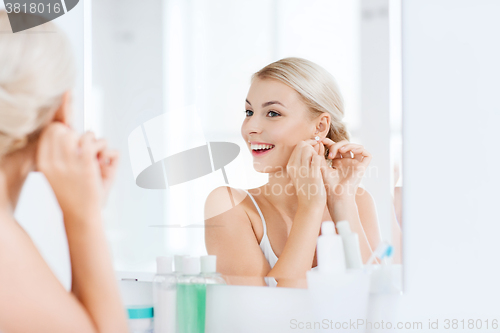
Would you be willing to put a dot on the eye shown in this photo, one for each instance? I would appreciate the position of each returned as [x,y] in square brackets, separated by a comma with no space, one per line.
[249,113]
[273,114]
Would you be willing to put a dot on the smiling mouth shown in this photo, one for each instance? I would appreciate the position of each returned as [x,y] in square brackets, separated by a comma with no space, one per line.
[261,149]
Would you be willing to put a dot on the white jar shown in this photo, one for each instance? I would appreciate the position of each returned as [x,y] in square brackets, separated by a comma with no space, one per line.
[140,319]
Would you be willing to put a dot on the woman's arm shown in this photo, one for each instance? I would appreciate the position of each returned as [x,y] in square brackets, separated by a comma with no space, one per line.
[345,199]
[32,298]
[304,169]
[298,254]
[229,235]
[35,301]
[362,216]
[93,279]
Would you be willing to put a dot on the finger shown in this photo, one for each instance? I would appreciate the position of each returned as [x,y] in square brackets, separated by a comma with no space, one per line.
[334,148]
[307,153]
[58,142]
[360,152]
[367,157]
[311,142]
[88,136]
[328,142]
[295,158]
[90,146]
[109,162]
[349,147]
[317,148]
[86,144]
[324,163]
[355,149]
[108,157]
[346,154]
[100,145]
[316,165]
[339,155]
[324,168]
[314,143]
[357,155]
[322,150]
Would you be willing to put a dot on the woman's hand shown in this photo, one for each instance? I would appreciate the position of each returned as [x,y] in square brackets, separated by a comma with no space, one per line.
[79,169]
[304,169]
[342,179]
[108,163]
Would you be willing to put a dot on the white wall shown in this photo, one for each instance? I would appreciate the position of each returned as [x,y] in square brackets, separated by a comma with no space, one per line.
[450,196]
[375,131]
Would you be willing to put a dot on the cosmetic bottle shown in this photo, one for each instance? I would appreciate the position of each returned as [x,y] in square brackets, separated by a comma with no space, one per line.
[351,245]
[330,250]
[191,294]
[208,270]
[164,296]
[332,286]
[140,319]
[178,264]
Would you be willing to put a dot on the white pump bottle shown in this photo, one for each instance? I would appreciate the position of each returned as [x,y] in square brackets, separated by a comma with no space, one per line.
[330,250]
[351,245]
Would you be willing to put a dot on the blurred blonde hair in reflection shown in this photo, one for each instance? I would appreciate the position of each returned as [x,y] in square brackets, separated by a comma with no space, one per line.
[315,85]
[37,68]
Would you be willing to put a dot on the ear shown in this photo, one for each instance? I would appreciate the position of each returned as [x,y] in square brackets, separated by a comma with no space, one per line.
[63,113]
[323,125]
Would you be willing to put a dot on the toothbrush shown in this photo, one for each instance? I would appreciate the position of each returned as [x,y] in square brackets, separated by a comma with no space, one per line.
[383,250]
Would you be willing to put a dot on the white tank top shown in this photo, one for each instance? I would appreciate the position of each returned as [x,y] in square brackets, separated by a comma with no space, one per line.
[265,245]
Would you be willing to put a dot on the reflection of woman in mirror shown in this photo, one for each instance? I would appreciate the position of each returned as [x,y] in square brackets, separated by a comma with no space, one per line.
[294,130]
[37,73]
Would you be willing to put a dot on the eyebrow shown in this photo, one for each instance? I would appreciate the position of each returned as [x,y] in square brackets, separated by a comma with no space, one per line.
[267,103]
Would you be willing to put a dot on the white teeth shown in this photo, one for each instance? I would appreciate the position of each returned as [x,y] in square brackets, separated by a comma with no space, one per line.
[260,147]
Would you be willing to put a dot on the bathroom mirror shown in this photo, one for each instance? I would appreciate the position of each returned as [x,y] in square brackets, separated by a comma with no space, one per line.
[170,77]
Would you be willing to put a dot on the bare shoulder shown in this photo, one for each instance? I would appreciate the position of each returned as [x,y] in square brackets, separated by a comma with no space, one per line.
[13,239]
[30,288]
[366,208]
[229,234]
[224,199]
[364,199]
[11,233]
[368,216]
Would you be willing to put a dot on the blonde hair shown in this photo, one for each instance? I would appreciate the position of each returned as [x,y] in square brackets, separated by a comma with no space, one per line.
[36,69]
[317,88]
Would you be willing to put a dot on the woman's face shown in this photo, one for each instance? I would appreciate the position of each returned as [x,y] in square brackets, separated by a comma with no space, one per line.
[276,120]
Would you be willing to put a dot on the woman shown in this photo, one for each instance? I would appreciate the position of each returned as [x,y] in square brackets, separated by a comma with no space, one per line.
[294,129]
[36,75]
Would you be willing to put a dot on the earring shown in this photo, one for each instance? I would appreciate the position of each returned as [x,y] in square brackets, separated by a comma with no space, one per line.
[316,138]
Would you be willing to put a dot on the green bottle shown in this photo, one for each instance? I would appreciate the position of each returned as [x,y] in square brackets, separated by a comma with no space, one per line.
[191,293]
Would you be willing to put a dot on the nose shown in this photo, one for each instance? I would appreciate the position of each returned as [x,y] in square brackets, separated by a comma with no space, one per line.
[251,126]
